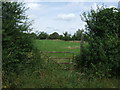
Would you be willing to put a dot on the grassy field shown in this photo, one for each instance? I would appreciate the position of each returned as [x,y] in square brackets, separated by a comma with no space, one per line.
[59,46]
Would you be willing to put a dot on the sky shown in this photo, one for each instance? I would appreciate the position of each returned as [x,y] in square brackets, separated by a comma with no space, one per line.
[60,16]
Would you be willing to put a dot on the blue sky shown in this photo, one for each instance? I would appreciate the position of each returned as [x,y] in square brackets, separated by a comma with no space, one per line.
[60,16]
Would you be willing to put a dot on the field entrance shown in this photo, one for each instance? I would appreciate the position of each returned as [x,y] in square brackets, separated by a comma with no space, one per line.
[62,59]
[62,52]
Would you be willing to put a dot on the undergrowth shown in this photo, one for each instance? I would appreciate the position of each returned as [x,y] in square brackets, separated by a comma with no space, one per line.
[50,75]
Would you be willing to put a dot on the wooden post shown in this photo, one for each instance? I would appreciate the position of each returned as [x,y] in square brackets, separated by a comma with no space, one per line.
[81,44]
[73,58]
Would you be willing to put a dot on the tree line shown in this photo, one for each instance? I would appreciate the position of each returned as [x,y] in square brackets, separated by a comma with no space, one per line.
[65,36]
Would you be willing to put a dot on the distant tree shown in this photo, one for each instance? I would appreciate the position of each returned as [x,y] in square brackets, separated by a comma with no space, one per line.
[66,36]
[77,35]
[33,35]
[61,37]
[43,35]
[73,37]
[54,35]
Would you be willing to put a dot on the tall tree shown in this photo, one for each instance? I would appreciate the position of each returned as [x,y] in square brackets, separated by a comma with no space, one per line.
[16,43]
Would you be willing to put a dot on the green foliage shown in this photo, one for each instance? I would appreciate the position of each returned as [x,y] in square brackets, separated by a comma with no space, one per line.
[66,36]
[43,35]
[54,35]
[102,54]
[22,65]
[51,75]
[33,35]
[61,37]
[77,35]
[14,79]
[16,43]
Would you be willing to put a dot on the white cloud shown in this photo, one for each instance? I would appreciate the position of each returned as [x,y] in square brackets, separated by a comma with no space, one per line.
[51,18]
[50,30]
[66,17]
[34,6]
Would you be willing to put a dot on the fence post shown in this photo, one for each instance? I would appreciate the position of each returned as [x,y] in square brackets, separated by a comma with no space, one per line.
[81,44]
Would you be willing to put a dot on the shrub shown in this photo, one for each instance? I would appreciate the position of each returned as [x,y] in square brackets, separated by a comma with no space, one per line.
[17,44]
[102,55]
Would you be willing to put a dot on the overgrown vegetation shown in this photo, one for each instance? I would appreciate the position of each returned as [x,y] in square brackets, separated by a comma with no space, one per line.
[17,43]
[101,57]
[25,66]
[54,76]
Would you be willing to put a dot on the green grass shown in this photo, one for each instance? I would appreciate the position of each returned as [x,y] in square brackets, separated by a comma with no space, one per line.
[52,76]
[58,46]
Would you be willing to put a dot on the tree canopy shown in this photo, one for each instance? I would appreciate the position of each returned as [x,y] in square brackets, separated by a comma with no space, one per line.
[43,35]
[54,35]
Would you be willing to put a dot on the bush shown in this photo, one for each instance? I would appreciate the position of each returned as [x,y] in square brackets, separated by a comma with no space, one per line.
[101,57]
[17,44]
